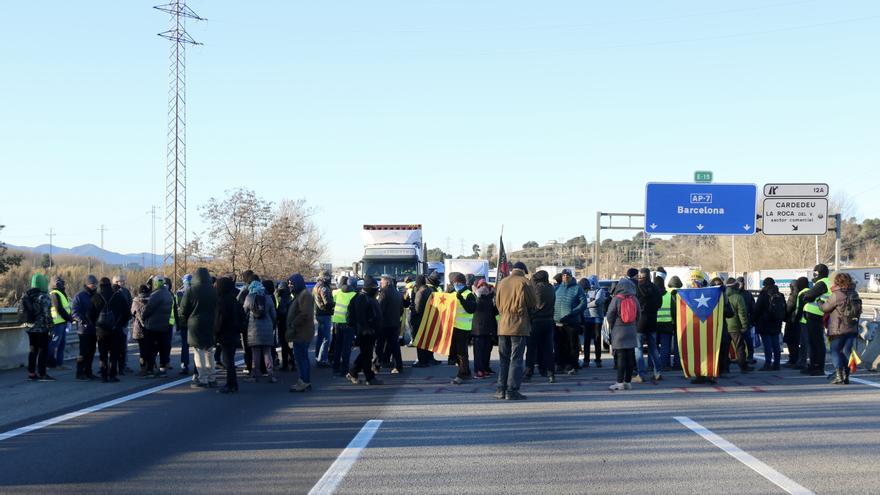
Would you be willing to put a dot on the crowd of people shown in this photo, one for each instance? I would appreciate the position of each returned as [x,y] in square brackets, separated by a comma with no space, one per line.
[540,325]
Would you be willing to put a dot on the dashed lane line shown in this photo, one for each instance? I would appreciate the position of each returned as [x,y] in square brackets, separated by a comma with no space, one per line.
[336,472]
[752,462]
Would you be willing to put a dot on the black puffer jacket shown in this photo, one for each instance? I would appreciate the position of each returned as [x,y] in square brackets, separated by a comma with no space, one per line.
[199,308]
[229,319]
[484,316]
[545,297]
[117,306]
[391,305]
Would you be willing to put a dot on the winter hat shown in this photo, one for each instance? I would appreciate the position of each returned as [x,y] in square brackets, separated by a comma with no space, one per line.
[519,265]
[58,282]
[675,282]
[91,280]
[769,281]
[434,278]
[39,282]
[187,280]
[541,276]
[459,278]
[632,273]
[256,288]
[731,282]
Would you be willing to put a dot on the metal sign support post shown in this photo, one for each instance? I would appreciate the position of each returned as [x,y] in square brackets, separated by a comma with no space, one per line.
[611,216]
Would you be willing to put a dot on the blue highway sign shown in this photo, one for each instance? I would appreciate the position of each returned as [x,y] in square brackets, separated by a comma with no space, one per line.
[700,209]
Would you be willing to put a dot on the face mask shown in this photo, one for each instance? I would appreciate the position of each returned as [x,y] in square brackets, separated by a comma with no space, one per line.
[459,287]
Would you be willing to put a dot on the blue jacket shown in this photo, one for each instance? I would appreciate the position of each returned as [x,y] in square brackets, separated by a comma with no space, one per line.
[79,309]
[570,304]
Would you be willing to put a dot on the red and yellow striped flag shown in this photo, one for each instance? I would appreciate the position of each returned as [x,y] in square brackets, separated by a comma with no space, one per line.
[435,329]
[854,361]
[699,327]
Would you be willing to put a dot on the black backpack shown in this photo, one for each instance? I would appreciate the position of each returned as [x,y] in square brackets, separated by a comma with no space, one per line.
[28,308]
[106,318]
[258,309]
[851,309]
[777,307]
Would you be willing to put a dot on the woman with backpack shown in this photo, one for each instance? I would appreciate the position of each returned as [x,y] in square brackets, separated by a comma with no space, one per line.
[260,311]
[138,327]
[109,309]
[623,318]
[770,311]
[843,308]
[35,311]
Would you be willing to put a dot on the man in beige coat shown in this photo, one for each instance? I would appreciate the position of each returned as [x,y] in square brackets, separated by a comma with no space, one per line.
[516,302]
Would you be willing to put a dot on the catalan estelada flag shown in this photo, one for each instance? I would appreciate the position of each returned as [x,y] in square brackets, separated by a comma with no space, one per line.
[435,330]
[854,361]
[699,327]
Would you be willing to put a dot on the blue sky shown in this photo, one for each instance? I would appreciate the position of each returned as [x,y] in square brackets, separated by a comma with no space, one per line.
[460,115]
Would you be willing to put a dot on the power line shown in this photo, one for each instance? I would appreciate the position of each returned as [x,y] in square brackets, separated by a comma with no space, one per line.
[175,168]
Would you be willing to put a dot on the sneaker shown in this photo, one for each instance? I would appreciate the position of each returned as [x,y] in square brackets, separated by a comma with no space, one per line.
[395,371]
[627,386]
[657,377]
[46,378]
[616,387]
[162,373]
[572,371]
[515,395]
[457,381]
[300,386]
[637,379]
[479,375]
[352,379]
[32,377]
[551,379]
[500,394]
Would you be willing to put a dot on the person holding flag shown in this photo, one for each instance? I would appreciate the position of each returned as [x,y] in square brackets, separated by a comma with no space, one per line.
[700,331]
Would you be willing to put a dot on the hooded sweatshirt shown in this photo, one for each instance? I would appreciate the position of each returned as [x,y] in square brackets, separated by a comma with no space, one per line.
[545,297]
[301,315]
[117,305]
[230,318]
[157,313]
[623,335]
[42,304]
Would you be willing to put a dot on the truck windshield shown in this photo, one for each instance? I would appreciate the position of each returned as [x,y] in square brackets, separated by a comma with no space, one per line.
[396,269]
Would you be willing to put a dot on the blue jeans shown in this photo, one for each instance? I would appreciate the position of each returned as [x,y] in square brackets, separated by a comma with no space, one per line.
[772,349]
[322,345]
[510,369]
[342,347]
[653,354]
[56,345]
[301,356]
[841,347]
[664,345]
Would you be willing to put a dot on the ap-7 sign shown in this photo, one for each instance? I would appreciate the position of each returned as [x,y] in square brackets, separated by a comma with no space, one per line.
[700,209]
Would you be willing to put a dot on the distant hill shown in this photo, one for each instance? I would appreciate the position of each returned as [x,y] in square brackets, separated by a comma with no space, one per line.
[92,251]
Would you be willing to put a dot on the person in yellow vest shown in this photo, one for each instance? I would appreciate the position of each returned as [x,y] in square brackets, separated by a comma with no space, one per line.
[344,334]
[60,320]
[461,333]
[814,316]
[665,327]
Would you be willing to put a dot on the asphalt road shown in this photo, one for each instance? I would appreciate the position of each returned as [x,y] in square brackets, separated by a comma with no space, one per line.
[574,436]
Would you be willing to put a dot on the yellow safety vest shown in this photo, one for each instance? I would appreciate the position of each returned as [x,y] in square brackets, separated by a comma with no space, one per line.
[463,319]
[342,300]
[815,306]
[171,320]
[664,314]
[56,317]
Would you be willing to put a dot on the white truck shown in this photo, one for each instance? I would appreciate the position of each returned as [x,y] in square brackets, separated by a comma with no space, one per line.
[552,270]
[394,250]
[478,268]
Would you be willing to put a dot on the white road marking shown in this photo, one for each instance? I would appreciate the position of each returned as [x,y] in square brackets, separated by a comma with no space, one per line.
[864,382]
[753,463]
[97,407]
[340,467]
